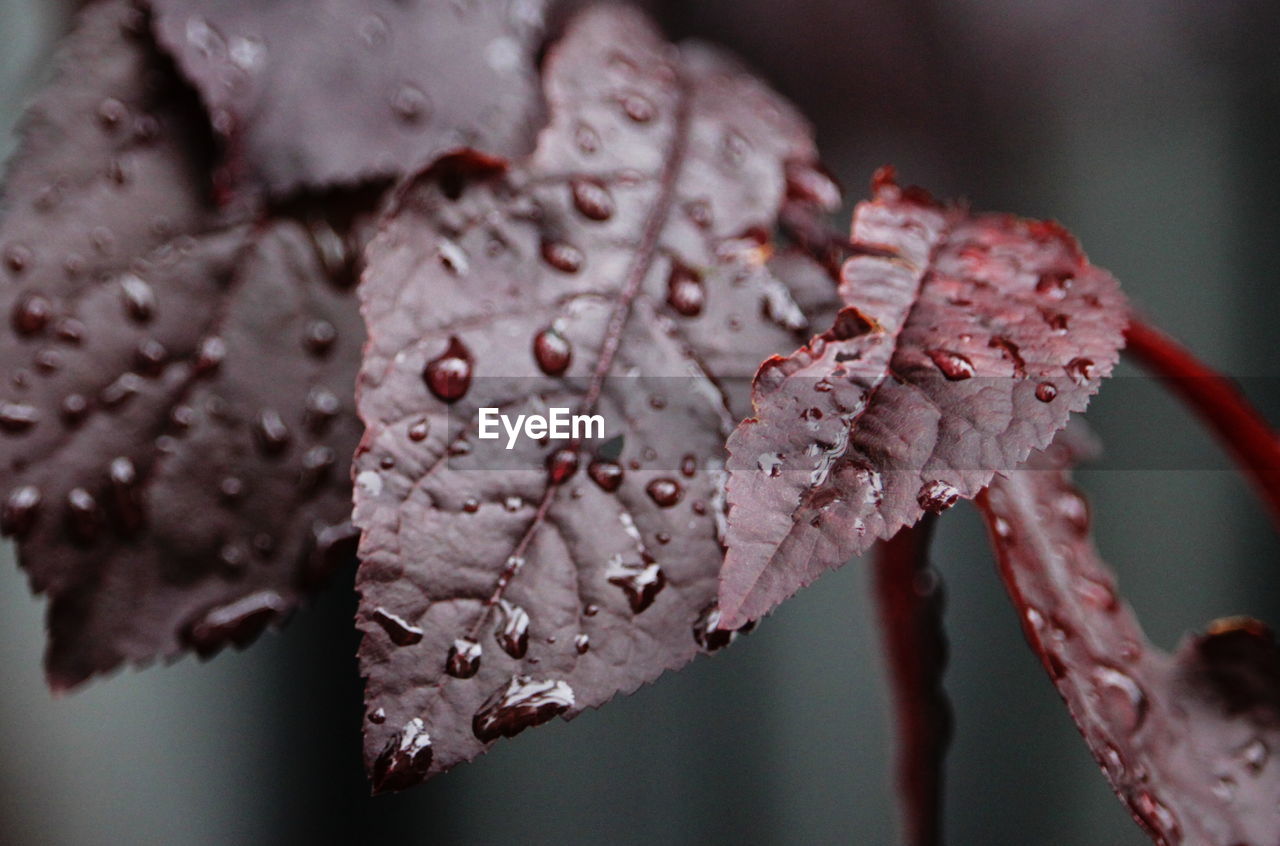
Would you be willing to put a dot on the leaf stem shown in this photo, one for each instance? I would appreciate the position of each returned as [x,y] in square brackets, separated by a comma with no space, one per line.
[1218,402]
[909,597]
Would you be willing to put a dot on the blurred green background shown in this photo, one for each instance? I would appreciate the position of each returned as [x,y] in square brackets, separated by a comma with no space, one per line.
[1151,129]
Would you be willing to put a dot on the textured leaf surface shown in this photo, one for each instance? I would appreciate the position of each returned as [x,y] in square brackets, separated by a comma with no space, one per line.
[964,343]
[332,92]
[1186,740]
[176,411]
[617,271]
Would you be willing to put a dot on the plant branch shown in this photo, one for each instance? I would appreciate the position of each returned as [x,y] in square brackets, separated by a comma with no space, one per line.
[1219,403]
[909,596]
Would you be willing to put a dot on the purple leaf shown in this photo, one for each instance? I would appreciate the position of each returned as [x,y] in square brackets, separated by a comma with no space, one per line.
[619,271]
[177,390]
[318,94]
[1186,740]
[964,343]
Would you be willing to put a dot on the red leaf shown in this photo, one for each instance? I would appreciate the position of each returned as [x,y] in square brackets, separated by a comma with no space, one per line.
[964,343]
[1186,740]
[617,272]
[318,94]
[177,390]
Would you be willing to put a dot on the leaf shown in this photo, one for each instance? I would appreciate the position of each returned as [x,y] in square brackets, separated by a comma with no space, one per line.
[616,272]
[177,404]
[318,94]
[910,598]
[1186,740]
[964,343]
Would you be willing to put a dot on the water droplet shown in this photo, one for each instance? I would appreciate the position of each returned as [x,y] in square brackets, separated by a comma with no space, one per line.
[20,510]
[271,432]
[405,760]
[1158,818]
[1121,698]
[318,337]
[453,258]
[449,374]
[685,293]
[322,407]
[607,474]
[552,351]
[582,643]
[238,622]
[83,515]
[639,108]
[419,430]
[210,354]
[769,463]
[562,464]
[587,139]
[513,629]
[409,103]
[125,495]
[1046,391]
[401,632]
[640,581]
[31,314]
[332,545]
[1254,756]
[139,298]
[471,506]
[563,256]
[74,409]
[317,465]
[708,634]
[812,184]
[688,465]
[233,556]
[1073,508]
[1080,370]
[1002,529]
[591,610]
[112,113]
[937,496]
[1054,285]
[378,716]
[18,417]
[119,392]
[463,660]
[592,198]
[17,257]
[665,492]
[699,212]
[522,703]
[953,365]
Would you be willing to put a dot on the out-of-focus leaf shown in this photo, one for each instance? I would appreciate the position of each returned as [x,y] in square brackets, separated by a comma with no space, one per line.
[1187,740]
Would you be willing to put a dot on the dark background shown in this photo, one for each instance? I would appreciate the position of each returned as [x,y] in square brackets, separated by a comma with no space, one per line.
[1152,129]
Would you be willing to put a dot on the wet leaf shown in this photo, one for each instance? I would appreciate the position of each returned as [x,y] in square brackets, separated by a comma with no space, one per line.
[1186,740]
[964,343]
[317,94]
[618,271]
[178,388]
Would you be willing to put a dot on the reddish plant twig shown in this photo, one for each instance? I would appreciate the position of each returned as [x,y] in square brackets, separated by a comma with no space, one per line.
[909,595]
[1218,402]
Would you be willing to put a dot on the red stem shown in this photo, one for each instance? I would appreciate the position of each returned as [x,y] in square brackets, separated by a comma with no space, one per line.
[909,595]
[1218,401]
